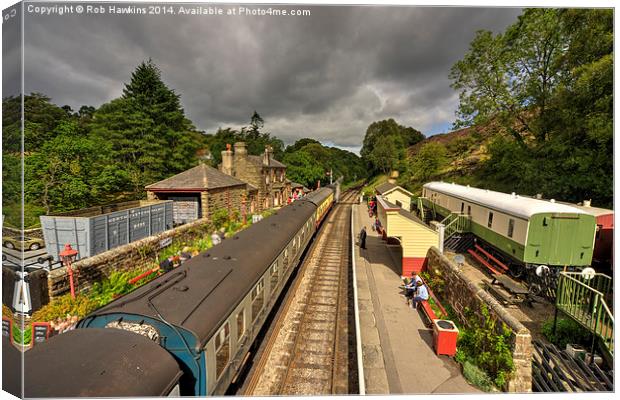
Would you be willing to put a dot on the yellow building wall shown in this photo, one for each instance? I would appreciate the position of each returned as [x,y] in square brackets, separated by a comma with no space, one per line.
[415,238]
[402,197]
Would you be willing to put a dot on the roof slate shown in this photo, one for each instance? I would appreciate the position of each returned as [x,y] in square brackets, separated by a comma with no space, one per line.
[385,187]
[200,177]
[273,163]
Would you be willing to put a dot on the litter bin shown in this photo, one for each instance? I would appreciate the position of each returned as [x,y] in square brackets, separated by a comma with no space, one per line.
[445,334]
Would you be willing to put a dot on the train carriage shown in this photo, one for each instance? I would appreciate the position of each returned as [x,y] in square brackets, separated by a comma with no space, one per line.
[524,230]
[323,198]
[208,312]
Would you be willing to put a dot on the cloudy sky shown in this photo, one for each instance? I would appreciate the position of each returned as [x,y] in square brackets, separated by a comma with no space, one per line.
[327,75]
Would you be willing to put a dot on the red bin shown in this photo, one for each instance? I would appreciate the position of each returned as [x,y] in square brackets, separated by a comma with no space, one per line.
[445,334]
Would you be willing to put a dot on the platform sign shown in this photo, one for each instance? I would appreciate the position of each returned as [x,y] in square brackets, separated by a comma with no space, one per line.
[40,333]
[7,328]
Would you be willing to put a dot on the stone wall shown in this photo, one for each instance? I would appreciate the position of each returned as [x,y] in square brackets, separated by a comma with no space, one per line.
[462,293]
[13,232]
[130,256]
[228,198]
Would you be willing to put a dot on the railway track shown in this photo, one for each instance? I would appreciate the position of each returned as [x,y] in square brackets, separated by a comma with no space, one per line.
[309,351]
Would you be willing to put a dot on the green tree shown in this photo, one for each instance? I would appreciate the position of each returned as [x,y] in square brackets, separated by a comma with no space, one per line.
[398,138]
[548,82]
[428,161]
[303,168]
[151,137]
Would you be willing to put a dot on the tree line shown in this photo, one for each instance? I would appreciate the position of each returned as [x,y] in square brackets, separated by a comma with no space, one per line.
[76,159]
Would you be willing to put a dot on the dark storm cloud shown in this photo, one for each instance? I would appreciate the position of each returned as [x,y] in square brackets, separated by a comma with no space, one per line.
[326,76]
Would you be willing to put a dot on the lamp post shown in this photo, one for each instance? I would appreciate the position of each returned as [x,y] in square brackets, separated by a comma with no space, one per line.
[67,256]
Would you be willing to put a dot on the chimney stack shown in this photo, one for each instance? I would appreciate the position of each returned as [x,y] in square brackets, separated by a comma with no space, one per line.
[587,203]
[227,160]
[267,156]
[240,150]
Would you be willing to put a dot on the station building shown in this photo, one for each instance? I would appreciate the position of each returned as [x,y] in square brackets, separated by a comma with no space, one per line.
[263,172]
[399,226]
[202,190]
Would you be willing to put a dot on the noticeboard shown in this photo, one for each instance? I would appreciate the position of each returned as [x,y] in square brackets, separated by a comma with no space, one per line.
[40,332]
[7,328]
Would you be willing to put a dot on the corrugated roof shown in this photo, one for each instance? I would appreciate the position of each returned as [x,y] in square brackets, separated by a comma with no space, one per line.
[516,205]
[385,187]
[200,177]
[273,163]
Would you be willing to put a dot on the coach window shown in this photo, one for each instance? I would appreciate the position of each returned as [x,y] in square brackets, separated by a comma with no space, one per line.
[468,210]
[274,276]
[258,296]
[222,349]
[240,324]
[462,207]
[490,223]
[511,227]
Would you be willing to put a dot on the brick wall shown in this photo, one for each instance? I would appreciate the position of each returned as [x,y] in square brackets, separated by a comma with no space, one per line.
[130,256]
[461,293]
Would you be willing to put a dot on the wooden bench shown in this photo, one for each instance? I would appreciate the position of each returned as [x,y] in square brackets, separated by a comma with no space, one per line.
[483,262]
[491,257]
[427,310]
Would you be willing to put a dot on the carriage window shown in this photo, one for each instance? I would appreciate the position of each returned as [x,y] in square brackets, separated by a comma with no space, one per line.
[240,324]
[462,207]
[545,221]
[511,227]
[468,210]
[274,276]
[222,349]
[258,297]
[490,223]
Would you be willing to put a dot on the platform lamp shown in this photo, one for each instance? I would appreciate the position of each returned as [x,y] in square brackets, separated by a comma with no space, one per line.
[68,256]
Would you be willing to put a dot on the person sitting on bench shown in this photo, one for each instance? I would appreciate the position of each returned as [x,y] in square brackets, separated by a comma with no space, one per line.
[412,285]
[421,294]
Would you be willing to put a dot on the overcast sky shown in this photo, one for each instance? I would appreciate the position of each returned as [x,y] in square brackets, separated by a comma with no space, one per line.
[326,76]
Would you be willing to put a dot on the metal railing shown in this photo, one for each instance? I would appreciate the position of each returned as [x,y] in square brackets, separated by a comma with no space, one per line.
[583,298]
[455,223]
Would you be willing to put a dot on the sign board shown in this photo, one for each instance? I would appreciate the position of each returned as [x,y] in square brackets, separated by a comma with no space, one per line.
[40,332]
[7,328]
[165,242]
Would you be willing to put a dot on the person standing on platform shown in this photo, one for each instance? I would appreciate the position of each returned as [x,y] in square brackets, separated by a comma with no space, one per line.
[363,238]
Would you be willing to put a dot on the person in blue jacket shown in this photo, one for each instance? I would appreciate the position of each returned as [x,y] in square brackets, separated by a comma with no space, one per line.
[421,294]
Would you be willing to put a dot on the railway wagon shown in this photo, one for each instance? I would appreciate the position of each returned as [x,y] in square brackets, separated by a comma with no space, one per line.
[524,231]
[604,238]
[208,312]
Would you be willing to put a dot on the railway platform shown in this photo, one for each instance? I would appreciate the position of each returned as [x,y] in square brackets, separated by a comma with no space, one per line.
[397,352]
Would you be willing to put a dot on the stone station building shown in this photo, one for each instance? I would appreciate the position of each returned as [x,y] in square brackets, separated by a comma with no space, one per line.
[264,172]
[202,190]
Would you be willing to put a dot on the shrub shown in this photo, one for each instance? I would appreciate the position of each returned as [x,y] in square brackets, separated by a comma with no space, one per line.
[567,331]
[477,377]
[64,305]
[220,217]
[486,348]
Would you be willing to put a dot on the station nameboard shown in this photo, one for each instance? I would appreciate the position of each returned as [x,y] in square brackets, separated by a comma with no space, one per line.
[7,328]
[40,332]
